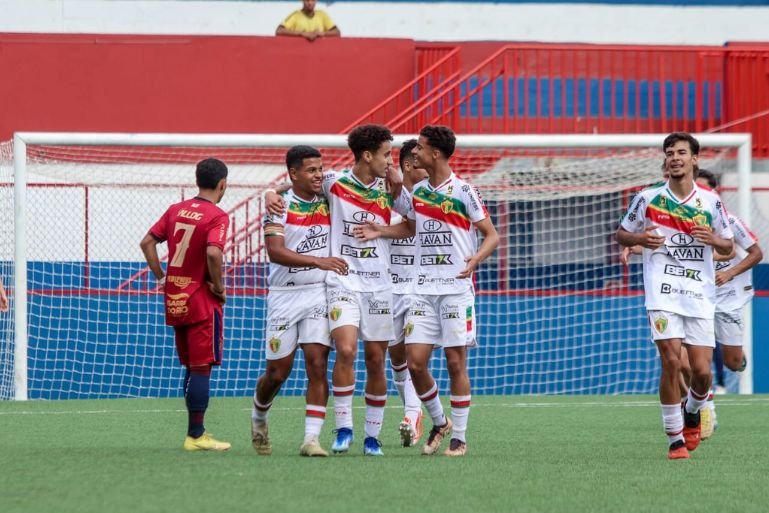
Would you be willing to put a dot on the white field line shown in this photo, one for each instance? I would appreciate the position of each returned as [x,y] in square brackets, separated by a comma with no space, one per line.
[736,401]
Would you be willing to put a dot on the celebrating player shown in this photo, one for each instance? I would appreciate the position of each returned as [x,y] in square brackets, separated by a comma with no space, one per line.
[297,244]
[679,224]
[446,213]
[360,302]
[735,289]
[194,292]
[401,270]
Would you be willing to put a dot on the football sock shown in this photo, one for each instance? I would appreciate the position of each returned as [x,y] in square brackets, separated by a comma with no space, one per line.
[196,399]
[374,414]
[673,422]
[460,411]
[432,402]
[343,406]
[695,401]
[314,416]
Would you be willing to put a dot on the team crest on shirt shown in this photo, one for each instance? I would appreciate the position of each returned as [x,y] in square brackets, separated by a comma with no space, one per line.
[661,324]
[381,202]
[447,206]
[322,209]
[408,329]
[274,344]
[335,313]
[663,201]
[700,220]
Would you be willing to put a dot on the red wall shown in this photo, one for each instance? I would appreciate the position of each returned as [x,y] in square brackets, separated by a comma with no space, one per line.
[194,84]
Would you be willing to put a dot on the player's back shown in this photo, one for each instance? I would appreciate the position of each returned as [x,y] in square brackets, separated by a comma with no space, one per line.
[190,227]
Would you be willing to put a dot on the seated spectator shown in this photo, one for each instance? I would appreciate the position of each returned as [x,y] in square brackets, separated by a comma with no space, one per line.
[308,23]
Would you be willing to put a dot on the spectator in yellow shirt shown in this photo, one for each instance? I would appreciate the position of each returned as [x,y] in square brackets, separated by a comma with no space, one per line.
[308,23]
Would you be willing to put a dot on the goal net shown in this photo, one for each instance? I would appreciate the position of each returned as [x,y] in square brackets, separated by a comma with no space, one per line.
[557,312]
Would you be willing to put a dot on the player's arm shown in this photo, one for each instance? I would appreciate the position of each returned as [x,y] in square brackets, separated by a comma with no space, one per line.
[214,260]
[273,199]
[371,231]
[149,246]
[275,244]
[624,256]
[489,244]
[647,238]
[754,256]
[3,298]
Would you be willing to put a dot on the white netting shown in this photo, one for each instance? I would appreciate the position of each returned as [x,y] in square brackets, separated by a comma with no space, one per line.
[557,313]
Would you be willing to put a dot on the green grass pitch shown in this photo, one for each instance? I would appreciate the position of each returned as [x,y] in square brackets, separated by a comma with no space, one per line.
[526,454]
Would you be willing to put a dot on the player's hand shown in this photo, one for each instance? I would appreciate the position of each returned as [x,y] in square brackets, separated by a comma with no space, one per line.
[471,264]
[651,240]
[310,36]
[368,231]
[703,234]
[624,256]
[219,294]
[274,203]
[723,277]
[333,264]
[3,301]
[394,180]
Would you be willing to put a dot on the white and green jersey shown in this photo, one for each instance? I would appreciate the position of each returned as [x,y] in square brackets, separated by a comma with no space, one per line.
[402,256]
[679,276]
[734,294]
[446,236]
[305,227]
[354,203]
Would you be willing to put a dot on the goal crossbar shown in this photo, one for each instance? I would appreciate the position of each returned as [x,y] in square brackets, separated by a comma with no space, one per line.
[739,141]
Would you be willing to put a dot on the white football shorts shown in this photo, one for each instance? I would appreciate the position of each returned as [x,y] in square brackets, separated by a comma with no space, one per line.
[295,317]
[370,312]
[694,331]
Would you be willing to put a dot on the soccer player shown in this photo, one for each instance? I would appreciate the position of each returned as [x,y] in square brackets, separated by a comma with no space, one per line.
[401,270]
[360,301]
[734,291]
[194,292]
[297,244]
[679,224]
[446,214]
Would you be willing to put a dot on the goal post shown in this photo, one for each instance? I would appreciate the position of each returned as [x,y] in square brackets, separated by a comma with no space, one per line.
[534,184]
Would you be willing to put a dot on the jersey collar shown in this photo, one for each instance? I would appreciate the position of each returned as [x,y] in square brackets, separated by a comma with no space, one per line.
[441,185]
[681,201]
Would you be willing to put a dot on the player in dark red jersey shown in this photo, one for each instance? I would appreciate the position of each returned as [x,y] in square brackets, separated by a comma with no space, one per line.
[194,292]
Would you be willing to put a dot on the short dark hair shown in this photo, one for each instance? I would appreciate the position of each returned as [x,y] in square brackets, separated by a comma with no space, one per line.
[406,151]
[367,138]
[296,154]
[209,172]
[673,138]
[709,176]
[441,137]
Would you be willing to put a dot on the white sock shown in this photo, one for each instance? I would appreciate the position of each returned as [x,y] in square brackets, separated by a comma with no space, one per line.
[343,406]
[432,402]
[673,422]
[460,412]
[314,416]
[412,406]
[259,411]
[695,401]
[374,414]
